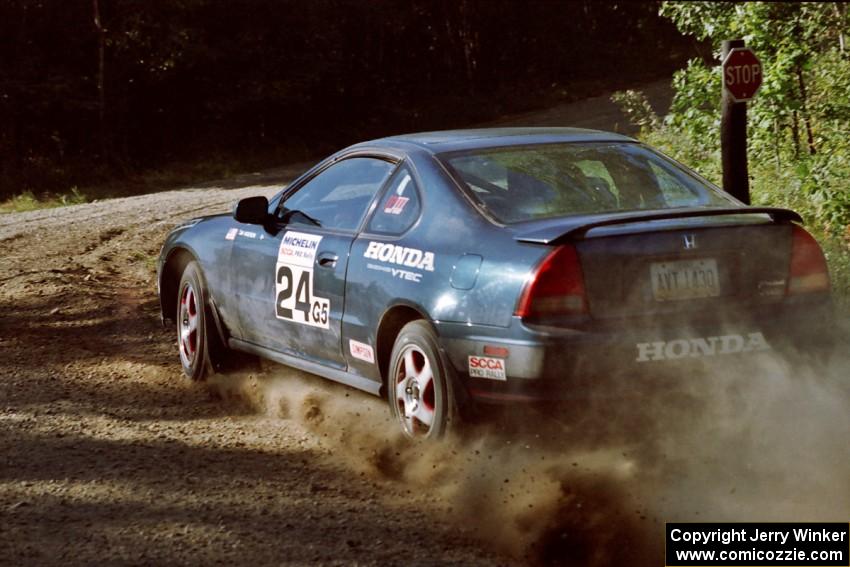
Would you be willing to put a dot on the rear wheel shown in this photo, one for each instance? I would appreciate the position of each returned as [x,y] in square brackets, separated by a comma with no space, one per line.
[196,338]
[419,389]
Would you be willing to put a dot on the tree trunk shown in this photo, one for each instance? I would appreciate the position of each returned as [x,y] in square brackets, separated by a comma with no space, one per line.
[795,134]
[776,143]
[806,120]
[469,41]
[101,96]
[18,100]
[462,39]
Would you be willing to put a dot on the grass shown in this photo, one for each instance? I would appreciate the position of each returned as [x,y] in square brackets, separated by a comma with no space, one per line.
[837,253]
[45,191]
[29,201]
[150,181]
[148,259]
[785,189]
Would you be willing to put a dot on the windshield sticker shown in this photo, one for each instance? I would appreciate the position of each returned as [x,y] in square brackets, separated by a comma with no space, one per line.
[395,205]
[361,351]
[487,367]
[295,299]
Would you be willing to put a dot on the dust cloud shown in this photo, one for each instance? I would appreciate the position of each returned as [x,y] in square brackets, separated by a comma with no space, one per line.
[592,483]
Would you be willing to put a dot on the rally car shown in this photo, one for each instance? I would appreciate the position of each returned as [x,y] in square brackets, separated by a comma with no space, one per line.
[444,270]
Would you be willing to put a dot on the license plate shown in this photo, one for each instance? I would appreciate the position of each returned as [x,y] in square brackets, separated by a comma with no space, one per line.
[684,279]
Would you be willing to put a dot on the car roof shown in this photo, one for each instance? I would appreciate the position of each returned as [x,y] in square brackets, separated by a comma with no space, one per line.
[456,140]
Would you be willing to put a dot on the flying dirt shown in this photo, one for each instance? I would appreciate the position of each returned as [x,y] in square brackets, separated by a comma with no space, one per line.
[758,442]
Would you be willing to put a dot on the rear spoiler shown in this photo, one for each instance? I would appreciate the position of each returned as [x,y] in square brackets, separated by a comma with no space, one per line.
[577,228]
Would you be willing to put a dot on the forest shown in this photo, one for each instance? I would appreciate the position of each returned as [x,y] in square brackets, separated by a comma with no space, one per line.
[102,91]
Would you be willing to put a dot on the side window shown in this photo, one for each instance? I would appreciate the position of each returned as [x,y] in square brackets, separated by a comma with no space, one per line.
[337,197]
[399,208]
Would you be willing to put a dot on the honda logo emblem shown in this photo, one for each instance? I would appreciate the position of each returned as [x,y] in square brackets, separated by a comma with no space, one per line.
[690,241]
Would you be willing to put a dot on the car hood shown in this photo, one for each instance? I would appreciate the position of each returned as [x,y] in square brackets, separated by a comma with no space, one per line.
[183,225]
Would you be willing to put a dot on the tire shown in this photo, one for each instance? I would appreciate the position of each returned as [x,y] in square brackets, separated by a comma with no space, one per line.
[419,387]
[198,342]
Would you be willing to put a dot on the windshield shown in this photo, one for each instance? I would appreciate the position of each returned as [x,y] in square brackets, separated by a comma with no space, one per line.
[516,184]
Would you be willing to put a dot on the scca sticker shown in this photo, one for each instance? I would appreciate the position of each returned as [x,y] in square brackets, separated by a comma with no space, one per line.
[294,281]
[487,367]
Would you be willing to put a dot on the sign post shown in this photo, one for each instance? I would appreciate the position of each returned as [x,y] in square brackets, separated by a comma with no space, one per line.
[742,75]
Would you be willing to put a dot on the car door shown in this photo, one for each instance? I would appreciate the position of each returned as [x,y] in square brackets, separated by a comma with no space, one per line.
[289,277]
[371,283]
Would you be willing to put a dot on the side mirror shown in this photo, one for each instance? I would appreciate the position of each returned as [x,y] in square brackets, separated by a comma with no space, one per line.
[253,210]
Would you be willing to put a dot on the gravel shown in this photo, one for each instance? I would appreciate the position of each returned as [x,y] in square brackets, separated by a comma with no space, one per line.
[107,455]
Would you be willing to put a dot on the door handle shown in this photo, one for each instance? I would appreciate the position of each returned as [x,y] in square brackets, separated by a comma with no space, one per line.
[327,260]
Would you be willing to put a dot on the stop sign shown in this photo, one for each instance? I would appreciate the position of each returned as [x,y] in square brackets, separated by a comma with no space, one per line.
[741,74]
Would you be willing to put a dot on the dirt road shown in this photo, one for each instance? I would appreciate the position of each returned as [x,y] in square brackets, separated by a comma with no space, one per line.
[596,113]
[108,456]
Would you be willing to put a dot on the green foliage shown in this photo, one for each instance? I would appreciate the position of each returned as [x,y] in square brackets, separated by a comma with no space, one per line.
[26,201]
[798,125]
[29,201]
[637,109]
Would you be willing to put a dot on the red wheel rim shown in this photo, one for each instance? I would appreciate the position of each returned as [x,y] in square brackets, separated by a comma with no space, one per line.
[414,391]
[187,333]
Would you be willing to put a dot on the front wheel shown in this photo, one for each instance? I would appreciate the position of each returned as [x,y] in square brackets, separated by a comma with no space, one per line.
[194,336]
[419,389]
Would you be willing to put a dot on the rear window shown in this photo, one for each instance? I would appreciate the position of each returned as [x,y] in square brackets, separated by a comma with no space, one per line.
[516,184]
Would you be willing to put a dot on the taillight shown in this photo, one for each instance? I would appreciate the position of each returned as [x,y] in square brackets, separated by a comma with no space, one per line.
[808,271]
[556,288]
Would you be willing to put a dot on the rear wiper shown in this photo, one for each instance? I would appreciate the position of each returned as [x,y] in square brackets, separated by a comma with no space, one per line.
[287,213]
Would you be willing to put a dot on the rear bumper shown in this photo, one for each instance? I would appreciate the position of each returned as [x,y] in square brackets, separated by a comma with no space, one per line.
[605,359]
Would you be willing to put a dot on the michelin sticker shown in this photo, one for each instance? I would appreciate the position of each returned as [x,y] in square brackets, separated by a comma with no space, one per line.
[487,367]
[295,300]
